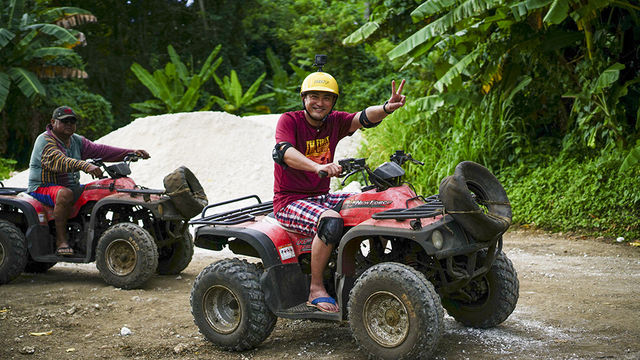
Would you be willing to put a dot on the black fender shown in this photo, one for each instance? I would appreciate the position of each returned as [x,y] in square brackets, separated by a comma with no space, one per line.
[37,235]
[247,241]
[161,209]
[30,214]
[456,241]
[456,196]
[284,285]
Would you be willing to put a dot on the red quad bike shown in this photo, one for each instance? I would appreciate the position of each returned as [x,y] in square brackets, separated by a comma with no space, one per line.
[131,232]
[402,258]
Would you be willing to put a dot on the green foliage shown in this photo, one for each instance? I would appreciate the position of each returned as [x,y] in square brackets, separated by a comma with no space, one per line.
[576,195]
[489,134]
[598,114]
[632,160]
[284,86]
[26,44]
[6,167]
[94,110]
[175,88]
[237,102]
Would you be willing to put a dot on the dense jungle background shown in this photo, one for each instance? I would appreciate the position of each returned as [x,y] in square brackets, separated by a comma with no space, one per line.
[545,93]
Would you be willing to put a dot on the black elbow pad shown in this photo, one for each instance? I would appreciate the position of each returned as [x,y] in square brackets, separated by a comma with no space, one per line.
[365,122]
[278,153]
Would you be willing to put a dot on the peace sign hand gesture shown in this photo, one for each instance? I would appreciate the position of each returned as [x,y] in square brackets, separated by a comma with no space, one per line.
[396,100]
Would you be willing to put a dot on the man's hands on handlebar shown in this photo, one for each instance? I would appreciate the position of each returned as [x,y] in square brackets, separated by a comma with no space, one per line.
[330,170]
[94,171]
[142,153]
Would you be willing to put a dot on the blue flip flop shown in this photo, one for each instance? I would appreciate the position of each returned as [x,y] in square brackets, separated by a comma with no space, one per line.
[326,299]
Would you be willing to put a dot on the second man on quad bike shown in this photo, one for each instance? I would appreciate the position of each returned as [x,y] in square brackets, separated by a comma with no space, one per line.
[58,156]
[306,141]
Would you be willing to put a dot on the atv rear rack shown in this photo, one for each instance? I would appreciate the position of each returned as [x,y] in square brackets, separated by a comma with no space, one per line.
[237,216]
[431,208]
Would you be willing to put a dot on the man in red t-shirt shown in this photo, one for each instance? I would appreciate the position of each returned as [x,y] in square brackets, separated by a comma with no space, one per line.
[305,145]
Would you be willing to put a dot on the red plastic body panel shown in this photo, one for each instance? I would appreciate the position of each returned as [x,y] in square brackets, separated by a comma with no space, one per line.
[94,191]
[362,206]
[356,210]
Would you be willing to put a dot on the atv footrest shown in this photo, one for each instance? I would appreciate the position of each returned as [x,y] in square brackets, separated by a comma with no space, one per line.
[235,216]
[302,311]
[432,208]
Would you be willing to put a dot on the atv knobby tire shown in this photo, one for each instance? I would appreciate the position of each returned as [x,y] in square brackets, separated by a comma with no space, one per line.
[457,195]
[126,256]
[395,313]
[497,293]
[228,305]
[13,252]
[185,192]
[176,256]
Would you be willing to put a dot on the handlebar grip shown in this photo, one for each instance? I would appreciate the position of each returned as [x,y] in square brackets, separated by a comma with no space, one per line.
[323,173]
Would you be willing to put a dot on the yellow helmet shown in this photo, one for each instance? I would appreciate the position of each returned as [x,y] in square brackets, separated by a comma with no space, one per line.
[319,81]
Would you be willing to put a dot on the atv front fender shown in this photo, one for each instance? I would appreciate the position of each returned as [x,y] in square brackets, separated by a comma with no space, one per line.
[246,241]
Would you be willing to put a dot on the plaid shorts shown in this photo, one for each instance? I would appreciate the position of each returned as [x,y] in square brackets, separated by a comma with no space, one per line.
[302,215]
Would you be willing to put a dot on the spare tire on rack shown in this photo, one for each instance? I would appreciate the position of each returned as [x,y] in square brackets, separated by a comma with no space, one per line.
[470,187]
[185,192]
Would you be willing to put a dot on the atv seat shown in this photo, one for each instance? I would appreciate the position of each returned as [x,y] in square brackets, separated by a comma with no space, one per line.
[271,219]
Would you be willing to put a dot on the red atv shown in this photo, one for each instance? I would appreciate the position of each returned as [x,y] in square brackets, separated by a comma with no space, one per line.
[130,231]
[402,258]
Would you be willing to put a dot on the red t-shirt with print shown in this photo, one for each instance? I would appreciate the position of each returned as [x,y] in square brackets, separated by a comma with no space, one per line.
[318,145]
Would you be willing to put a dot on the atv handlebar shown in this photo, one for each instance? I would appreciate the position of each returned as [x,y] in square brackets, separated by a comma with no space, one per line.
[351,166]
[117,170]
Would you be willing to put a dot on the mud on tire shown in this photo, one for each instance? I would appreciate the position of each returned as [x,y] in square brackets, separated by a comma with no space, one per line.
[228,305]
[13,252]
[126,256]
[395,313]
[497,293]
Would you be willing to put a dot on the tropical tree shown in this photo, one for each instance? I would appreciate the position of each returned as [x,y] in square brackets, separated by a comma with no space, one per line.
[28,43]
[176,88]
[236,101]
[474,46]
[37,52]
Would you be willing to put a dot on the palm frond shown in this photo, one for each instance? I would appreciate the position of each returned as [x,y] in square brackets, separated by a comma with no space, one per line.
[558,11]
[26,81]
[431,7]
[180,68]
[5,37]
[58,32]
[456,70]
[442,25]
[253,88]
[361,34]
[5,82]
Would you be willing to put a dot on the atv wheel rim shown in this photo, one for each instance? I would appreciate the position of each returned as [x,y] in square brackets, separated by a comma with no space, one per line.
[121,257]
[222,309]
[386,319]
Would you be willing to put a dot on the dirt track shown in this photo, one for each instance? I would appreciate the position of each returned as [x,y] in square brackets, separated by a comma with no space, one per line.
[579,299]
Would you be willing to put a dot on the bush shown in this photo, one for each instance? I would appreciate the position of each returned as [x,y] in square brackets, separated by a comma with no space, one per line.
[6,167]
[570,195]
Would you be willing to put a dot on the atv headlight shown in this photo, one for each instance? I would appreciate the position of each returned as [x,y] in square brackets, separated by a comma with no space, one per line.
[437,239]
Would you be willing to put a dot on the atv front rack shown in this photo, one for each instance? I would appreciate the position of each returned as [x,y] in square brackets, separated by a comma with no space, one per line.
[237,216]
[431,208]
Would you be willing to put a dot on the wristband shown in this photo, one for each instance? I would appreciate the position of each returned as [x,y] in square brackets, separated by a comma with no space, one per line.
[384,108]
